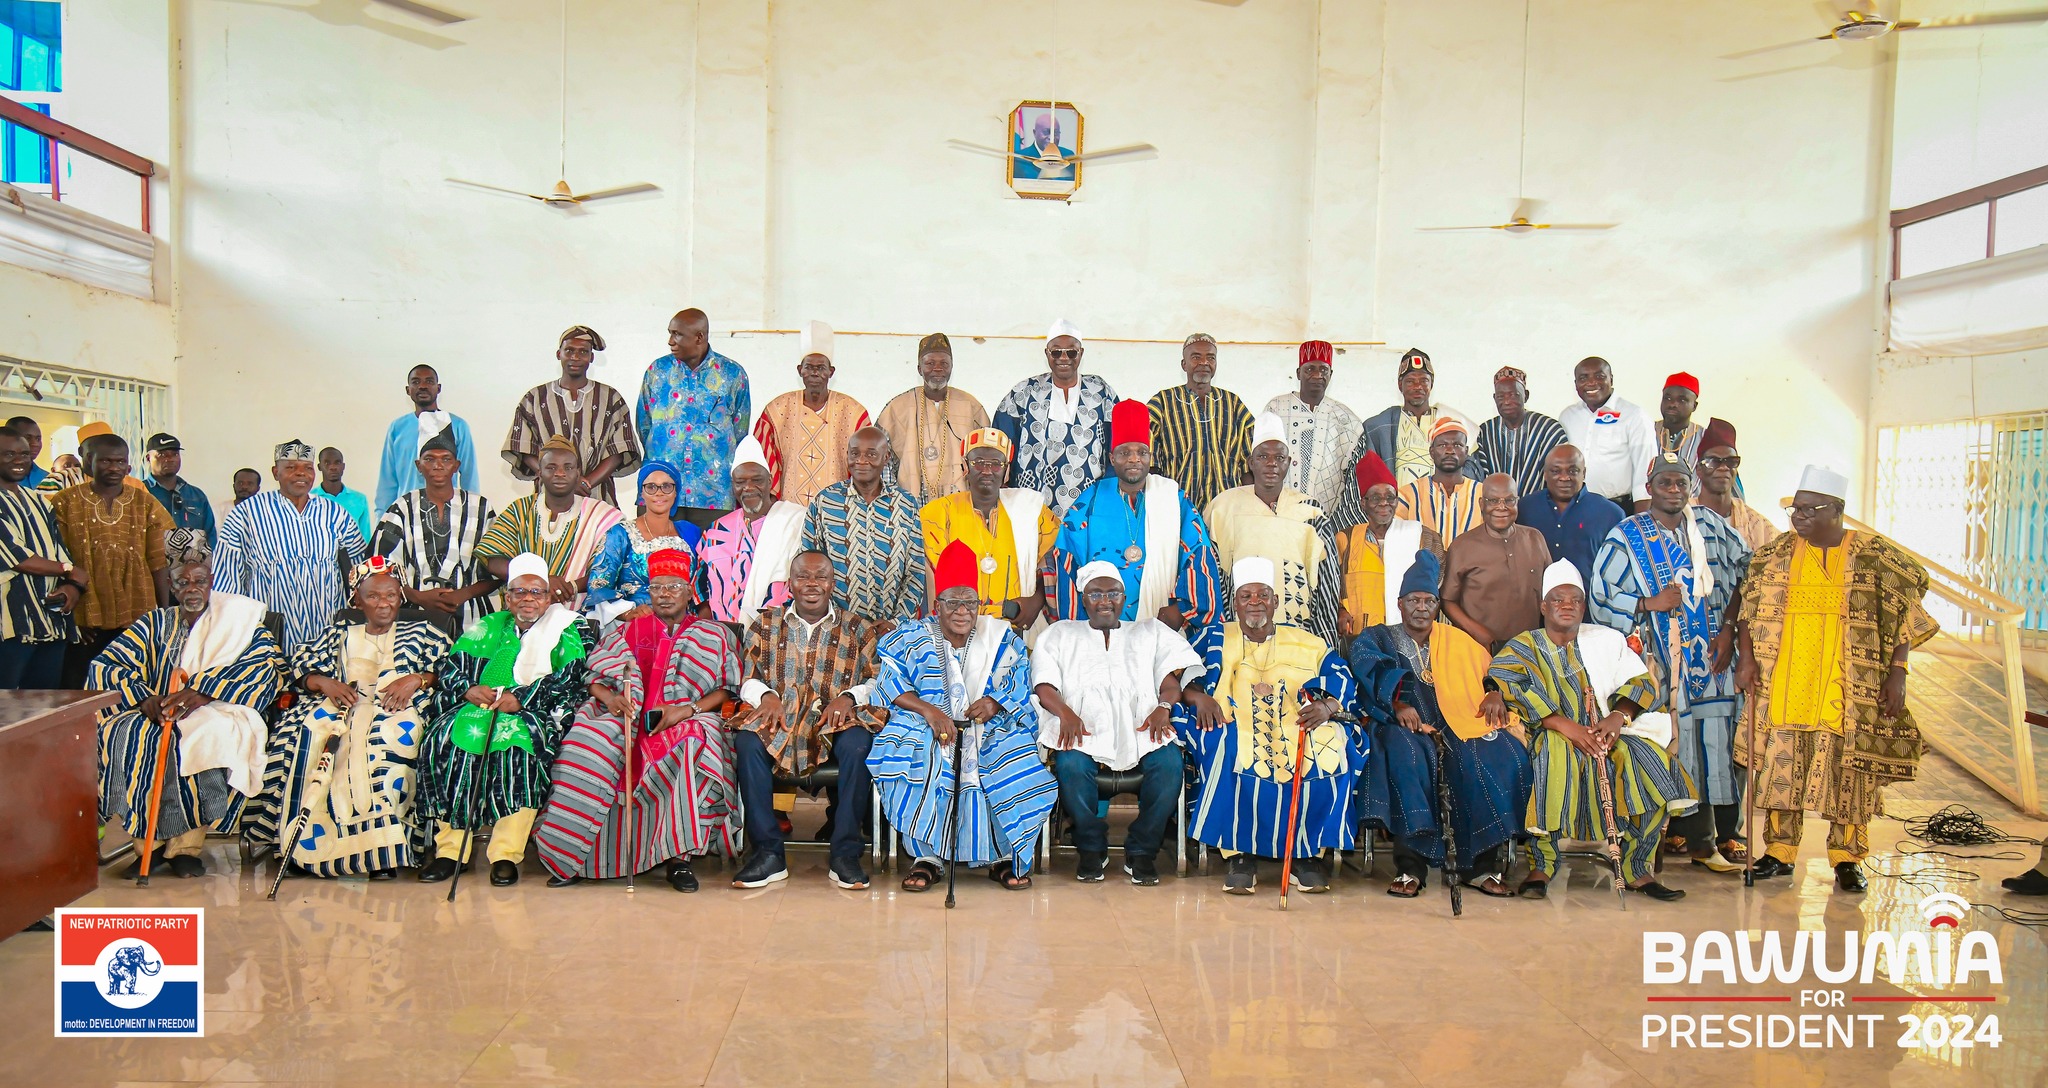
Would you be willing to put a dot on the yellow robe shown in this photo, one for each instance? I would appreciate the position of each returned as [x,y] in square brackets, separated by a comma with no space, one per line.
[954,518]
[1242,524]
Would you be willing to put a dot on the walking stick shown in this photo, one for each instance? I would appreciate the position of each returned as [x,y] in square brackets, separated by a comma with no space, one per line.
[315,794]
[1749,794]
[1293,815]
[483,769]
[953,837]
[1607,818]
[166,736]
[630,850]
[1443,800]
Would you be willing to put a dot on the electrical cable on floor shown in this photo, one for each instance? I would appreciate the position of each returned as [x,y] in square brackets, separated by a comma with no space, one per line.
[1959,825]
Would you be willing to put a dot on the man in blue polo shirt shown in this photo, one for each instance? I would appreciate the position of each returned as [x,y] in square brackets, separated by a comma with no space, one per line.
[1573,520]
[186,504]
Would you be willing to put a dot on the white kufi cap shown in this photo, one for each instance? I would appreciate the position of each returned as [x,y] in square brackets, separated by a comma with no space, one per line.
[523,564]
[816,339]
[1252,570]
[1091,571]
[1824,481]
[1063,327]
[749,452]
[1268,428]
[1561,573]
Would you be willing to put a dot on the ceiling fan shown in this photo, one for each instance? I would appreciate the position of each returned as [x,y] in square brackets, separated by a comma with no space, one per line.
[561,198]
[1526,210]
[1521,222]
[424,11]
[1129,153]
[1864,26]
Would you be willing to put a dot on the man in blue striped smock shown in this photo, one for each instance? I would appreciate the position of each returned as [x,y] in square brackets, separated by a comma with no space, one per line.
[960,667]
[232,667]
[870,530]
[288,551]
[1268,688]
[1661,574]
[1516,441]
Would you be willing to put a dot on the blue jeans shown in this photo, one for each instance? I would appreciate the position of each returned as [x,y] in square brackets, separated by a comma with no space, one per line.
[756,772]
[1156,796]
[30,666]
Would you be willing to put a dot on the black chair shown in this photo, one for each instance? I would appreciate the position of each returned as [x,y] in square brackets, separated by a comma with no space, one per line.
[827,776]
[1110,784]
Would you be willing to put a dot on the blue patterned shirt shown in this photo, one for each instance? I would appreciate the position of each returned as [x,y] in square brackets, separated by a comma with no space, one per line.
[692,418]
[876,548]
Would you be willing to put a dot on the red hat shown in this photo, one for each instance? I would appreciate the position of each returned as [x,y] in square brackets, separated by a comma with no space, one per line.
[1130,421]
[1372,472]
[958,566]
[1682,380]
[669,563]
[1317,351]
[1719,433]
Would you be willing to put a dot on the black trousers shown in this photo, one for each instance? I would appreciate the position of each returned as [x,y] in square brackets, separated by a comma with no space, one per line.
[78,655]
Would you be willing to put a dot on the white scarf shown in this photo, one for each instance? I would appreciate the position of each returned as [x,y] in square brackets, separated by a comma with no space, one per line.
[1022,507]
[1696,543]
[972,672]
[1609,664]
[222,734]
[537,646]
[774,546]
[1162,542]
[1397,553]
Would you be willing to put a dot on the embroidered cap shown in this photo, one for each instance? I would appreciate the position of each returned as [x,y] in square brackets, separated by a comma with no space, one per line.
[291,450]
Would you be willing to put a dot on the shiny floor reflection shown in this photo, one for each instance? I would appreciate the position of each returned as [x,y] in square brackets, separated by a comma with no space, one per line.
[359,983]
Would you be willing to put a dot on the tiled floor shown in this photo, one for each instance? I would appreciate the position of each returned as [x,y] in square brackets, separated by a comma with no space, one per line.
[349,982]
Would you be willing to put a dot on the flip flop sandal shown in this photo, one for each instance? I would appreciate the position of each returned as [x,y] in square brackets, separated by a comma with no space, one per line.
[921,877]
[1006,874]
[1533,888]
[1405,887]
[1735,850]
[1499,889]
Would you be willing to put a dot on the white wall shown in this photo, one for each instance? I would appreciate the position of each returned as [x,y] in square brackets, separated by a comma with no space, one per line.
[1968,111]
[117,79]
[800,145]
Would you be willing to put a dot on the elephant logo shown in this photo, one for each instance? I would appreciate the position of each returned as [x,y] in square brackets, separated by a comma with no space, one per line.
[130,963]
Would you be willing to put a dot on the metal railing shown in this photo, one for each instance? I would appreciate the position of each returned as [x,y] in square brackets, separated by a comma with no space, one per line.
[71,136]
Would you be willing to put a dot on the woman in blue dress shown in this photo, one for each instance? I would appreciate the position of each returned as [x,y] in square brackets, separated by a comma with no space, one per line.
[618,573]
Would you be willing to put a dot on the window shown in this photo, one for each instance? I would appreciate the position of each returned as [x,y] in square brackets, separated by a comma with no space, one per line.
[32,73]
[2022,220]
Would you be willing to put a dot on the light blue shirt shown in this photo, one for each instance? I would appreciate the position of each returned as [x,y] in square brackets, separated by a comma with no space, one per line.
[397,474]
[355,502]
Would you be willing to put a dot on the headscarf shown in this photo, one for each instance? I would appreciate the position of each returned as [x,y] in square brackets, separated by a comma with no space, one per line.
[653,465]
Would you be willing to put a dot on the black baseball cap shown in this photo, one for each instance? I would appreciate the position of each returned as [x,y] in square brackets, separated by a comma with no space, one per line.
[159,442]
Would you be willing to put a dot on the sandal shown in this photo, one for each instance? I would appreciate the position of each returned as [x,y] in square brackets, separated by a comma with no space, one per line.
[1736,851]
[1534,887]
[1405,886]
[1491,885]
[921,877]
[1006,874]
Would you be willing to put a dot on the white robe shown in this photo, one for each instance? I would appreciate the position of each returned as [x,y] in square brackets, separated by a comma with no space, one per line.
[1114,688]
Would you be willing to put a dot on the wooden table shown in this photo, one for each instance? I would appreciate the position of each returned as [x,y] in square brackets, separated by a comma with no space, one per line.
[49,802]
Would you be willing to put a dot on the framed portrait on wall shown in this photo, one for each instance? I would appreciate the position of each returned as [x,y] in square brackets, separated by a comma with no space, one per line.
[1044,137]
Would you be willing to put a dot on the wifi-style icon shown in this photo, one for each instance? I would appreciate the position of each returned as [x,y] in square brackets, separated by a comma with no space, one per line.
[1944,909]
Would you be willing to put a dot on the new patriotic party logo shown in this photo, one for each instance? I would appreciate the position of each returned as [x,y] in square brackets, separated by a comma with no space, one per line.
[1817,970]
[132,971]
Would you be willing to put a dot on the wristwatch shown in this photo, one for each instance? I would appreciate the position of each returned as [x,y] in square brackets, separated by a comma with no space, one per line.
[1011,610]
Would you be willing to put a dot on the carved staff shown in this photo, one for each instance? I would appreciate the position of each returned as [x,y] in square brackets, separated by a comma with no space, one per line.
[1607,818]
[167,735]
